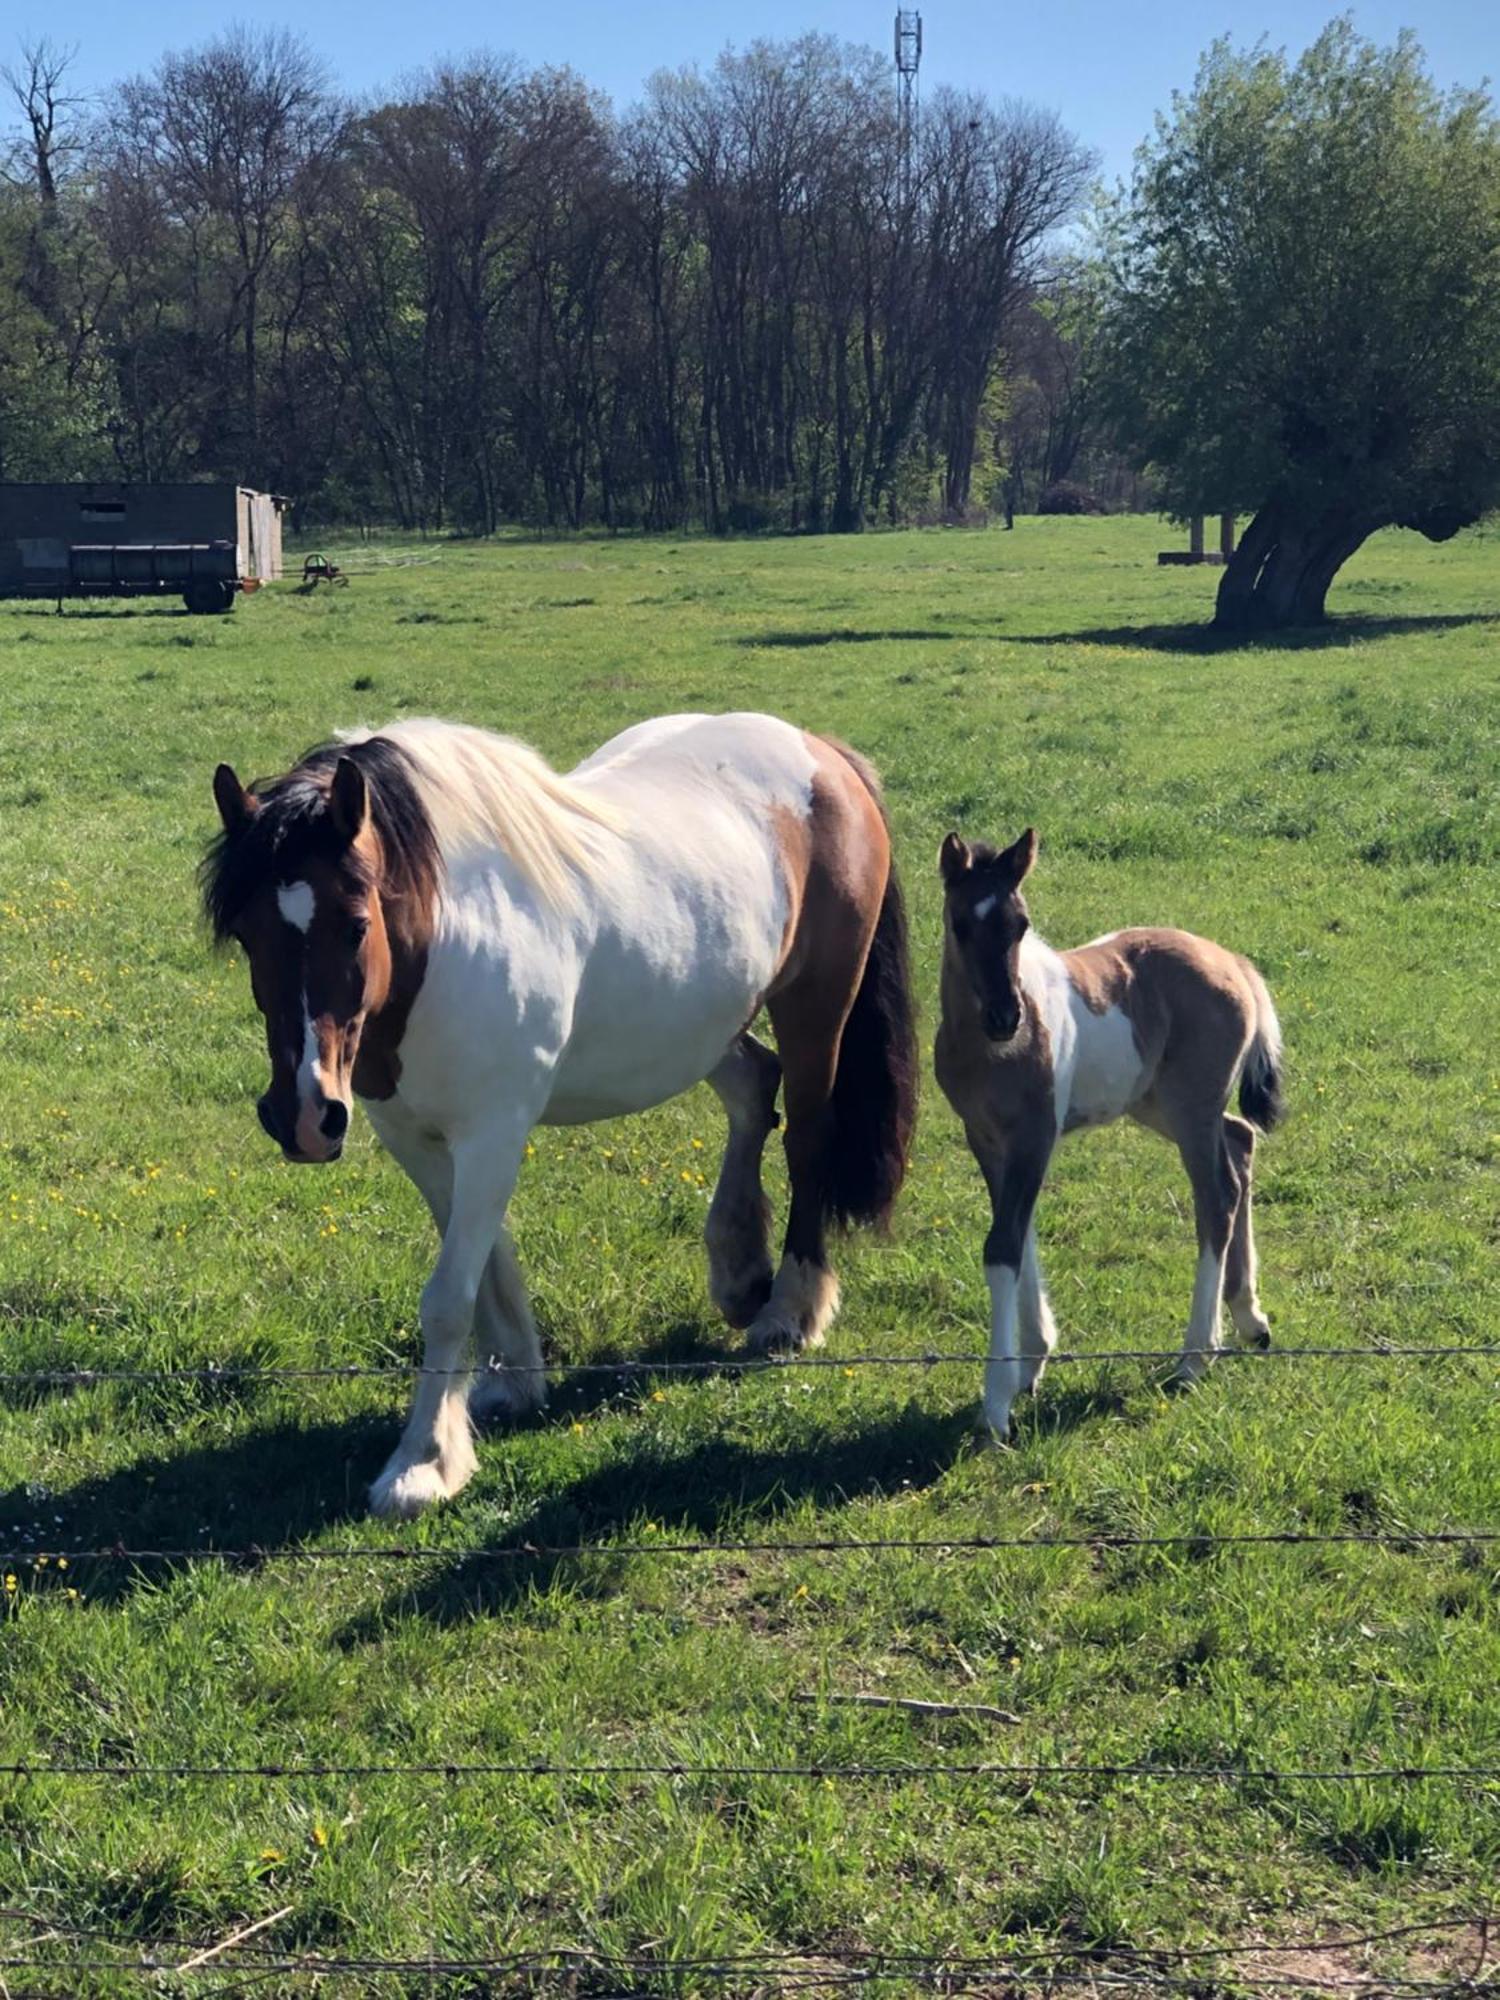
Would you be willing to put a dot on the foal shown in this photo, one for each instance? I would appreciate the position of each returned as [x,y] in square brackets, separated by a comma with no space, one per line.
[1033,1043]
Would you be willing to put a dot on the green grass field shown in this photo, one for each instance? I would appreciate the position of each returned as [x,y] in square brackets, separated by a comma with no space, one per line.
[1329,807]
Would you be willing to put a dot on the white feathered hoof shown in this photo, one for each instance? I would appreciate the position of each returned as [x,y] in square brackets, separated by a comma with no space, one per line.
[774,1330]
[404,1491]
[801,1308]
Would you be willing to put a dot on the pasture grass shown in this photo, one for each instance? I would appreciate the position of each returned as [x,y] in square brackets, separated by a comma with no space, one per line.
[1328,804]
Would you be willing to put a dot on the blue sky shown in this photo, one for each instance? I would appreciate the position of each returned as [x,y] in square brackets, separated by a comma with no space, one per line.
[1105,65]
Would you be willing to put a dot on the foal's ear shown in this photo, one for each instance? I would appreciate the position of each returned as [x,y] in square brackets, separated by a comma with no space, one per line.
[348,799]
[235,804]
[1019,859]
[954,859]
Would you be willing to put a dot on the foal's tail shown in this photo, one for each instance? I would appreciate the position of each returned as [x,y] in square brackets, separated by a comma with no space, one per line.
[1261,1100]
[875,1085]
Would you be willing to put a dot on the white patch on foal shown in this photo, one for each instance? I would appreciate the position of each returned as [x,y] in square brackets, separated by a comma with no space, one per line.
[296,903]
[1107,1068]
[1203,1320]
[1002,1371]
[984,906]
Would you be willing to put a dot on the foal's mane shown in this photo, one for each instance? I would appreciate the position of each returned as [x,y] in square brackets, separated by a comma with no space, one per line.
[438,790]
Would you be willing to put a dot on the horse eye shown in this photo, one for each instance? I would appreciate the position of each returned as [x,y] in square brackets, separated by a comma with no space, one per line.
[960,928]
[358,926]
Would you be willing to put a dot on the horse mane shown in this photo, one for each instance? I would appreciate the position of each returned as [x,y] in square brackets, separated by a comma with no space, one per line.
[479,789]
[291,825]
[437,791]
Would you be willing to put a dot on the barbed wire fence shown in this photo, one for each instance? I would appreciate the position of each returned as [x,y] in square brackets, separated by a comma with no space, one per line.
[1163,1969]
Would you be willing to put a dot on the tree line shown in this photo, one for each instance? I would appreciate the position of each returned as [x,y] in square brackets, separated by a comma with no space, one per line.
[489,298]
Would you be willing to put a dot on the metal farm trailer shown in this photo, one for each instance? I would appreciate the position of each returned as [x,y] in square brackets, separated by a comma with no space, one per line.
[108,540]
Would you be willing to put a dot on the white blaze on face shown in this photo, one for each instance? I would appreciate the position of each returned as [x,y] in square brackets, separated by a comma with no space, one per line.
[984,906]
[296,903]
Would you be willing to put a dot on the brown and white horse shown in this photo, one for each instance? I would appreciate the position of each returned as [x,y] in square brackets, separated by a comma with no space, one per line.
[1156,1025]
[441,925]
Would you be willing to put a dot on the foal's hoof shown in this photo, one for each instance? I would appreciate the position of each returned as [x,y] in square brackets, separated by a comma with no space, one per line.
[995,1433]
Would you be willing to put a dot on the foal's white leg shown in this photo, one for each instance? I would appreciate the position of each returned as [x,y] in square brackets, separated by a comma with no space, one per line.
[1038,1329]
[435,1457]
[1201,1341]
[1002,1371]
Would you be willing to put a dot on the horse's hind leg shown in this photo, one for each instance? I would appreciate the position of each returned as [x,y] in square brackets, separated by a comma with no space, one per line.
[1250,1323]
[738,1231]
[1216,1194]
[805,1293]
[512,1380]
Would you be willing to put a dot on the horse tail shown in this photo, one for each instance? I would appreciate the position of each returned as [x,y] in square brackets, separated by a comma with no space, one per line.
[874,1102]
[1261,1099]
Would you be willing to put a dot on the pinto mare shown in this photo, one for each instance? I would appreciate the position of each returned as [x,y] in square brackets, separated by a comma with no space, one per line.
[1156,1025]
[439,924]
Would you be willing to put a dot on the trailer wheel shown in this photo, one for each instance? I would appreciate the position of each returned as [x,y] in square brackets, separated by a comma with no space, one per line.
[210,595]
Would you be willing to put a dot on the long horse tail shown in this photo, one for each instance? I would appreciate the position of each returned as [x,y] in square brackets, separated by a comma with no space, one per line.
[874,1102]
[1261,1099]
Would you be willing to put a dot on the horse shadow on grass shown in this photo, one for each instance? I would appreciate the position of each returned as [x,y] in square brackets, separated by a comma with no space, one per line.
[275,1485]
[719,1486]
[841,635]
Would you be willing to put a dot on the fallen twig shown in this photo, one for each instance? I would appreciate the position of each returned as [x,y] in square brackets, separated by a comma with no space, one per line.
[918,1707]
[234,1938]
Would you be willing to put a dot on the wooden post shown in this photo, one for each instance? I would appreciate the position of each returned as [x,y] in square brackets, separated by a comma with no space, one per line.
[1195,538]
[1226,536]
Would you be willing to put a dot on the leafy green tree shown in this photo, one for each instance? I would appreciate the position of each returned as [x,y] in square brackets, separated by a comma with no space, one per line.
[1304,310]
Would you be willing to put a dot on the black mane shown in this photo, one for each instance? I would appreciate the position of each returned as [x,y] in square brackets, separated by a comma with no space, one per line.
[292,826]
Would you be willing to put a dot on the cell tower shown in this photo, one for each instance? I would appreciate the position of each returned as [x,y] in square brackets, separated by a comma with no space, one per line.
[908,57]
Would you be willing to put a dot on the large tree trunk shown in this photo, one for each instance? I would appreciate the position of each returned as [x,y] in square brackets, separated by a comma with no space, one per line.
[1279,575]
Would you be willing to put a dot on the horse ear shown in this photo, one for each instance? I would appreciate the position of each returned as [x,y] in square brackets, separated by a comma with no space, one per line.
[1019,859]
[235,804]
[954,859]
[348,799]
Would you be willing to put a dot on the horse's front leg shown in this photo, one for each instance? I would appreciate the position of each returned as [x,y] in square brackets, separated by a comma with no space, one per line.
[513,1377]
[435,1457]
[1014,1178]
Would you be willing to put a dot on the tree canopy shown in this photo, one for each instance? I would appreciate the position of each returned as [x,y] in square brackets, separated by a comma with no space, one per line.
[487,297]
[1303,309]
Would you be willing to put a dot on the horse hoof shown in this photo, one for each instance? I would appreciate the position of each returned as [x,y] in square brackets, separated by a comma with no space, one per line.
[743,1304]
[774,1332]
[500,1395]
[403,1492]
[996,1434]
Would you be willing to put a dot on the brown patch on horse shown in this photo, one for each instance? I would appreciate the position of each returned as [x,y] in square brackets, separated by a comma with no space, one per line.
[1182,995]
[841,1005]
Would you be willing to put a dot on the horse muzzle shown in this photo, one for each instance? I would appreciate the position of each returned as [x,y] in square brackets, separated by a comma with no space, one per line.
[314,1136]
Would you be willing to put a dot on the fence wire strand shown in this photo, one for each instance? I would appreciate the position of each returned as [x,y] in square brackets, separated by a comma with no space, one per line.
[1019,1773]
[724,1364]
[256,1555]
